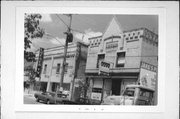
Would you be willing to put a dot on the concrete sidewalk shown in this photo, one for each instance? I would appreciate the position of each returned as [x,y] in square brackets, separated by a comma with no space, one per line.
[30,93]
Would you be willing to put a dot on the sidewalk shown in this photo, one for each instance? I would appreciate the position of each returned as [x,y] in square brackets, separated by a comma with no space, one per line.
[29,92]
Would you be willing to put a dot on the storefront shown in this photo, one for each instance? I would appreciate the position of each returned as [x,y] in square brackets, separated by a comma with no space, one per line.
[114,60]
[103,86]
[53,86]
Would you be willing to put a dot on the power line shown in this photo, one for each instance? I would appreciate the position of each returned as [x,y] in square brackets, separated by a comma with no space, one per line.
[71,28]
[62,20]
[47,34]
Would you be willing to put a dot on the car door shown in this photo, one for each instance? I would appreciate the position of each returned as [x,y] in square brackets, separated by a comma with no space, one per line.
[42,96]
[144,97]
[52,98]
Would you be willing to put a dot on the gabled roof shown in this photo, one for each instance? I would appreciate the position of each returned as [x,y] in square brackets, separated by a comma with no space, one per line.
[114,28]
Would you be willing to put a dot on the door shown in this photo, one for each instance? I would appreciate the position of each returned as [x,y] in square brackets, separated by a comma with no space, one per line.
[116,86]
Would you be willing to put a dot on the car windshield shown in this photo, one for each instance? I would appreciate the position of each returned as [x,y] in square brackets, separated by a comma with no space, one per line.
[61,95]
[129,92]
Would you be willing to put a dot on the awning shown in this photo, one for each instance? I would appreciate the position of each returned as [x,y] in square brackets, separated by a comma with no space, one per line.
[115,70]
[110,77]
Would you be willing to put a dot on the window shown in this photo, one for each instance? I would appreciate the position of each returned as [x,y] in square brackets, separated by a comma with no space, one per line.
[145,93]
[58,69]
[45,69]
[129,92]
[100,58]
[66,68]
[120,59]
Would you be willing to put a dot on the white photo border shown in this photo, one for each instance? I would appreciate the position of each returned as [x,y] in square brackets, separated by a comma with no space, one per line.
[20,11]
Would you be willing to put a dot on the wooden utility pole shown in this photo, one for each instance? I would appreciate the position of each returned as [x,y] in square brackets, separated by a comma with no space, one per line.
[65,53]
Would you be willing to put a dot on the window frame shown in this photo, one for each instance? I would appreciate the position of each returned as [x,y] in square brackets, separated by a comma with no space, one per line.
[118,56]
[58,68]
[45,69]
[66,68]
[98,59]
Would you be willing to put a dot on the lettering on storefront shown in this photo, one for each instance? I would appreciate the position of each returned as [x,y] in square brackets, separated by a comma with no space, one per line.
[104,68]
[69,55]
[148,75]
[96,93]
[111,46]
[96,96]
[40,62]
[148,66]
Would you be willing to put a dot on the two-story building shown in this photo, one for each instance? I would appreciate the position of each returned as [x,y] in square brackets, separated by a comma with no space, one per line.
[74,69]
[125,52]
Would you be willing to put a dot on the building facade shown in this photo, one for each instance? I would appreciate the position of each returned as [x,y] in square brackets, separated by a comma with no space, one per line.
[124,51]
[74,69]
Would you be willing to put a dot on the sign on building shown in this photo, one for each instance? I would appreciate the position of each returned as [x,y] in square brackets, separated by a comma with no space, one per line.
[148,75]
[104,68]
[96,93]
[111,46]
[96,96]
[40,62]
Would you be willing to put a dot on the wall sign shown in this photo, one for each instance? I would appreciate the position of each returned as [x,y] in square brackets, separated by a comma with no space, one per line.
[110,46]
[148,75]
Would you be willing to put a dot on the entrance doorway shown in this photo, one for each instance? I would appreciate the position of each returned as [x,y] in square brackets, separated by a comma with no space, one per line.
[43,86]
[116,86]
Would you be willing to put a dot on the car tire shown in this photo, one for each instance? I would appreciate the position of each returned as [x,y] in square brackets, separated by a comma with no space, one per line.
[48,102]
[37,99]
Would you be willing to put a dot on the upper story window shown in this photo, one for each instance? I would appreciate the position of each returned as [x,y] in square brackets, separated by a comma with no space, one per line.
[66,68]
[45,69]
[58,68]
[120,59]
[100,58]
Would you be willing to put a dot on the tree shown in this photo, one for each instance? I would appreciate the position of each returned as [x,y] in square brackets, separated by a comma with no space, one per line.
[31,73]
[31,31]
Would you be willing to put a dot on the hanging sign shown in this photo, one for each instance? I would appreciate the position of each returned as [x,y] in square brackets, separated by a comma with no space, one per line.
[40,62]
[104,68]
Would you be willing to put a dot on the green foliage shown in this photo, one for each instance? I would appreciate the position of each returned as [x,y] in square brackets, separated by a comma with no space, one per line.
[31,31]
[31,73]
[83,86]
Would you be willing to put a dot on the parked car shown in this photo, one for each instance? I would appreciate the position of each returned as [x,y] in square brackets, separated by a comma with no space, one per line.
[51,97]
[132,95]
[83,101]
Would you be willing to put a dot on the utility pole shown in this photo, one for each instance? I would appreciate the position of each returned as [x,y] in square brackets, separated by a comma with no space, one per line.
[68,39]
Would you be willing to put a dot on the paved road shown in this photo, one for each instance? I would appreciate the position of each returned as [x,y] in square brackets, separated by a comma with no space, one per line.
[29,99]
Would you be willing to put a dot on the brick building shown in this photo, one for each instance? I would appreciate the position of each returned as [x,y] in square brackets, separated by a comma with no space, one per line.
[74,70]
[125,51]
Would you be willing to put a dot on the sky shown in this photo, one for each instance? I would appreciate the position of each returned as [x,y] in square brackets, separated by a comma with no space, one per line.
[85,26]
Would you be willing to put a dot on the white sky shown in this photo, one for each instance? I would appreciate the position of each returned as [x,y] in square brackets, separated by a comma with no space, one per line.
[85,26]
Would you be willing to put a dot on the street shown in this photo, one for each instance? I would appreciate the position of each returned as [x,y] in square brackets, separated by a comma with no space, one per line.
[30,99]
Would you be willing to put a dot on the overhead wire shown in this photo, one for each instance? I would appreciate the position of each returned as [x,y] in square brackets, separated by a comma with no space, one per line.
[47,34]
[61,20]
[72,28]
